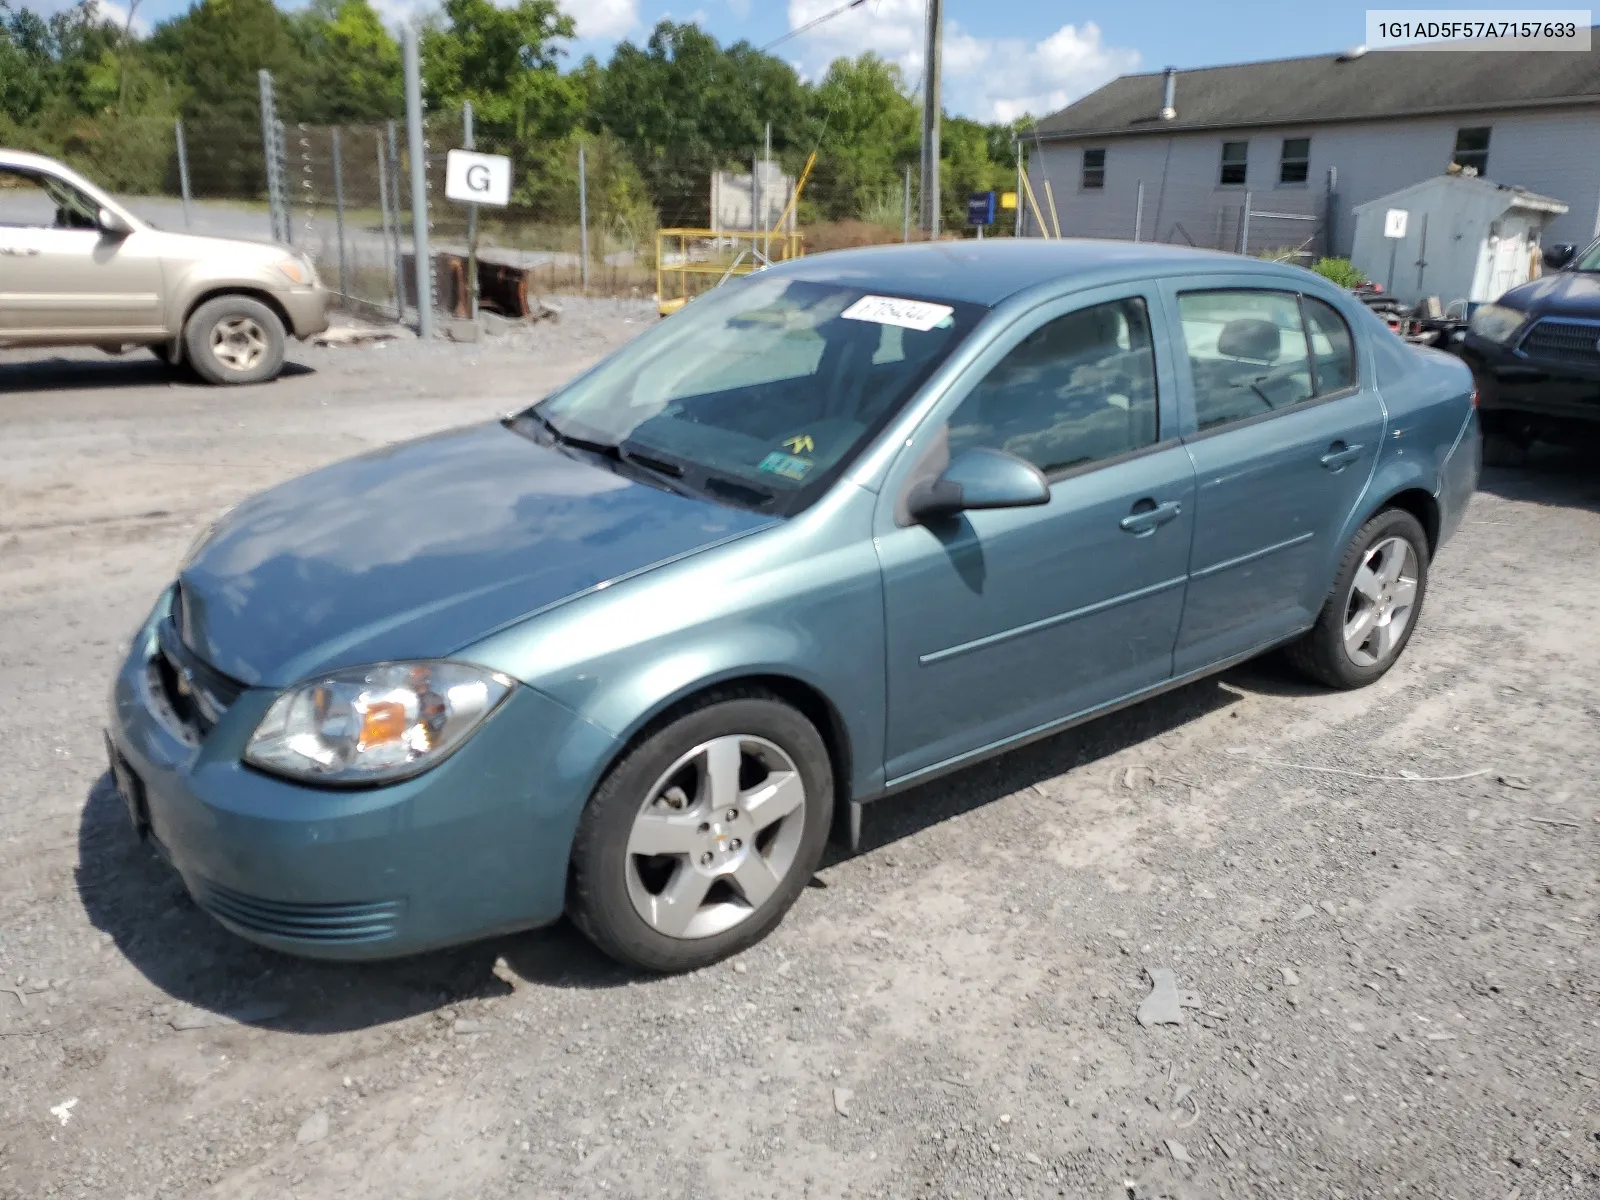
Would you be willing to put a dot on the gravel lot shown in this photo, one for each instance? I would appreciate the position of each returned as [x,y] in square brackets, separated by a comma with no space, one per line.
[1395,978]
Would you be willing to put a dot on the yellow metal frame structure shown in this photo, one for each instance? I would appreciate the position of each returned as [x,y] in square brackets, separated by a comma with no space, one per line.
[692,261]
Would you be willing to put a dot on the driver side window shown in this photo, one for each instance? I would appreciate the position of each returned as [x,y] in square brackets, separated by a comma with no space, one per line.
[30,200]
[1247,354]
[1079,389]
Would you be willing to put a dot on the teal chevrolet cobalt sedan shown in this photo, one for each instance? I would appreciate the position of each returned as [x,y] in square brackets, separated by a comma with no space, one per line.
[831,531]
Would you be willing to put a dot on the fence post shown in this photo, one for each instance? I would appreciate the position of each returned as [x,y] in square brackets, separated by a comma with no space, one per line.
[272,150]
[419,184]
[1330,211]
[583,215]
[1138,212]
[469,141]
[1244,227]
[394,199]
[389,230]
[183,169]
[905,209]
[338,210]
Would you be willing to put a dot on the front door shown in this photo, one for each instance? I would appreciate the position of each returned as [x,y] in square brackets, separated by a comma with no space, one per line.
[1003,622]
[61,277]
[1285,435]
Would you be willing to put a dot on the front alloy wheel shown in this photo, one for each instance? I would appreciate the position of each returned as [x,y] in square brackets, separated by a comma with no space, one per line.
[716,835]
[703,834]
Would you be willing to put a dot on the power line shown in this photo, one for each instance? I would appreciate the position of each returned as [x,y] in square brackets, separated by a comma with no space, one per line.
[812,24]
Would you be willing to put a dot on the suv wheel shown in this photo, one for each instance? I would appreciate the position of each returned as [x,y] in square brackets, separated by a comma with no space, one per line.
[234,339]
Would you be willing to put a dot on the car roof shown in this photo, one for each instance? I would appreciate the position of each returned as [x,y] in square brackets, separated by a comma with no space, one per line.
[992,270]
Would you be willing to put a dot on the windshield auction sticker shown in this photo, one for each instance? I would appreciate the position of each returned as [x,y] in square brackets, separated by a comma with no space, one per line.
[889,310]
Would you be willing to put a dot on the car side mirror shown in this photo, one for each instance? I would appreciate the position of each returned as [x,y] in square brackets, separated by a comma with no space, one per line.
[112,223]
[981,478]
[1559,255]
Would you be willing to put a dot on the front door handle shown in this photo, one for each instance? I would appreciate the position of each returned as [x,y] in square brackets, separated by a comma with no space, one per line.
[1147,514]
[1340,456]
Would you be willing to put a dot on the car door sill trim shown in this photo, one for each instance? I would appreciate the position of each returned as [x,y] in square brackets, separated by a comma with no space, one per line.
[994,639]
[1253,555]
[1017,740]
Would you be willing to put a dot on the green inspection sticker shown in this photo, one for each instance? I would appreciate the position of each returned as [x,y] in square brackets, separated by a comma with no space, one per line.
[786,465]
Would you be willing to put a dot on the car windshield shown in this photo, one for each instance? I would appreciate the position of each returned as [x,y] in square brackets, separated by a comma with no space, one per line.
[1589,260]
[761,392]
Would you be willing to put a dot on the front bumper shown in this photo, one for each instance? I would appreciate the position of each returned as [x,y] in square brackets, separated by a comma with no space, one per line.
[476,846]
[1510,382]
[307,309]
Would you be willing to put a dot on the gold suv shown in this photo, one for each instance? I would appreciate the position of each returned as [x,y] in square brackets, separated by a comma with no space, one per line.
[76,269]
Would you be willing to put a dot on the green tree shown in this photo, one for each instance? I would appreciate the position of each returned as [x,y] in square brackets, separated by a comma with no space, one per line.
[503,60]
[869,130]
[685,107]
[350,64]
[215,50]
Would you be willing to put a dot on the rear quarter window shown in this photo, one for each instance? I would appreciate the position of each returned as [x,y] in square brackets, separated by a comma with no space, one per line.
[1393,357]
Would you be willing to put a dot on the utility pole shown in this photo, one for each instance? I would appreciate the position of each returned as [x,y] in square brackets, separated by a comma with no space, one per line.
[930,119]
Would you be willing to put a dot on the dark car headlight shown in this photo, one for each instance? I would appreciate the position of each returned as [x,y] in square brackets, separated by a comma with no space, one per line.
[1496,323]
[364,725]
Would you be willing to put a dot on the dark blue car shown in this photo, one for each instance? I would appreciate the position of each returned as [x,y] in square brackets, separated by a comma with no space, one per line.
[833,530]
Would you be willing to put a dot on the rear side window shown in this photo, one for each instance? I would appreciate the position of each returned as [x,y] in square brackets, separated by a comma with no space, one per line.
[1247,354]
[1333,356]
[1393,358]
[1078,389]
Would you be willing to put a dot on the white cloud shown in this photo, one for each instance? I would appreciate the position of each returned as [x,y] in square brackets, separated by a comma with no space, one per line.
[739,8]
[604,18]
[991,79]
[118,13]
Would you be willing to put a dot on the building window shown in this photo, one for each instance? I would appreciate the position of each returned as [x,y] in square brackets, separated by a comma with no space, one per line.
[1472,149]
[1094,169]
[1234,155]
[1295,165]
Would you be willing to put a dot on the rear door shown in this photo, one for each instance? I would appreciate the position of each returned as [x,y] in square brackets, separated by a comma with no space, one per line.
[1283,430]
[61,277]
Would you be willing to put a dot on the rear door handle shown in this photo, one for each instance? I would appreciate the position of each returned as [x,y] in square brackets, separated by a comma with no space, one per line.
[1147,514]
[1340,456]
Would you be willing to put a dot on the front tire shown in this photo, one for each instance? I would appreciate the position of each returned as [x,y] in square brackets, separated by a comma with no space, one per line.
[1372,610]
[234,340]
[704,834]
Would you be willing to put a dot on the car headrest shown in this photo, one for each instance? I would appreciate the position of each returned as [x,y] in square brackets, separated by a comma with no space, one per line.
[1250,337]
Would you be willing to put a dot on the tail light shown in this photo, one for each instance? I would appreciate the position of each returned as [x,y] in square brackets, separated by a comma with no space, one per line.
[1474,397]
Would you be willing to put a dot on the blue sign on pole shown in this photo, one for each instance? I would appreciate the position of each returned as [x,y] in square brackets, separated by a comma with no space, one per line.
[980,208]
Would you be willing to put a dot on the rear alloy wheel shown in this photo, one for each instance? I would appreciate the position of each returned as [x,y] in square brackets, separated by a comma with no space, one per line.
[1372,610]
[234,339]
[702,836]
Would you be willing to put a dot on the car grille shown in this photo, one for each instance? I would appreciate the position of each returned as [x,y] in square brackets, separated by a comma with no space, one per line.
[1563,341]
[196,693]
[325,923]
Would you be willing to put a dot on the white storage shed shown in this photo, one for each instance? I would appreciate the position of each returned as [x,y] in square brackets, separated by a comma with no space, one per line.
[1464,238]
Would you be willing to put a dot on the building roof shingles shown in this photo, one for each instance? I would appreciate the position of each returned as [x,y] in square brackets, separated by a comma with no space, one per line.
[1379,84]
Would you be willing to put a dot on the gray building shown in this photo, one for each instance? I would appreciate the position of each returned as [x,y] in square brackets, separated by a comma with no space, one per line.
[1179,156]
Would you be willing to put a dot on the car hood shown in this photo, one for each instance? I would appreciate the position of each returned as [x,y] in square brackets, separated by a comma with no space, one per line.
[419,549]
[1563,293]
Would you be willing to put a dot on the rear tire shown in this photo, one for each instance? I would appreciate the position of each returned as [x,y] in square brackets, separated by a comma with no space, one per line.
[233,340]
[1381,582]
[703,835]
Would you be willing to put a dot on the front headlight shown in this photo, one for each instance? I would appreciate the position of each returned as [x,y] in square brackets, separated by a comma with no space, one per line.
[298,270]
[1496,323]
[375,724]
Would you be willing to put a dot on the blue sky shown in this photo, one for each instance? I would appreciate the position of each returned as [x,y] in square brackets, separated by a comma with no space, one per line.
[1002,57]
